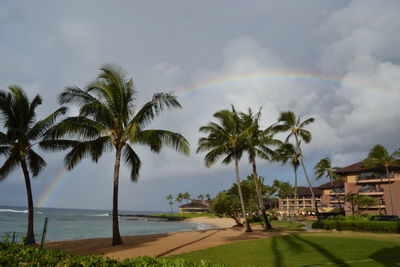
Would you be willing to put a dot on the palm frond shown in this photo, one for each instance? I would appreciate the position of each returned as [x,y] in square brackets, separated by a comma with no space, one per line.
[156,139]
[9,165]
[35,162]
[133,162]
[43,125]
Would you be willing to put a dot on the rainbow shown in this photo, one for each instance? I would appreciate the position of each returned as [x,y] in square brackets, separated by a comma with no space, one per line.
[48,194]
[51,190]
[263,76]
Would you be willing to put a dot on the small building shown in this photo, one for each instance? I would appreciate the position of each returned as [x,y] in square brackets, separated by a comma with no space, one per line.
[196,206]
[304,200]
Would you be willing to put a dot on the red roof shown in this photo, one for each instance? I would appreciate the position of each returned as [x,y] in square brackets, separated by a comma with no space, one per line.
[305,191]
[202,204]
[359,168]
[328,185]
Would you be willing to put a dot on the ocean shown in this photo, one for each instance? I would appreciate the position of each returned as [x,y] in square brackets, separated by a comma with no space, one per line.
[72,224]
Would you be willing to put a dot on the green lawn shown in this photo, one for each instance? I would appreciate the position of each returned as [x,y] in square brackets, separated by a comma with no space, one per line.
[307,249]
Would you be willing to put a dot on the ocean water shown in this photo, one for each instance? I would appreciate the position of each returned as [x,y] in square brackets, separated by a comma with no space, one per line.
[72,224]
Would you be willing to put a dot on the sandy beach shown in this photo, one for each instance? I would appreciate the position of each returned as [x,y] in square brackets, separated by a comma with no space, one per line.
[160,245]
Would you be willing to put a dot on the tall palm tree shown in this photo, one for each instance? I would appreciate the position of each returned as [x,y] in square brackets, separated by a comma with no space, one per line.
[18,117]
[289,122]
[257,144]
[324,169]
[287,152]
[109,117]
[225,140]
[379,156]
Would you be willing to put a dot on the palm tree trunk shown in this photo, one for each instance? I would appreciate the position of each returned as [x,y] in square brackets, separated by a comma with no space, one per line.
[248,228]
[267,224]
[390,189]
[30,236]
[307,177]
[116,240]
[295,190]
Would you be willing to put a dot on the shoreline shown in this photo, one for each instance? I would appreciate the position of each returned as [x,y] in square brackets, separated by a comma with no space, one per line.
[160,245]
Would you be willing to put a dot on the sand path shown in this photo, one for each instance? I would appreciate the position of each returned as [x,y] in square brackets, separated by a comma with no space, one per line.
[160,245]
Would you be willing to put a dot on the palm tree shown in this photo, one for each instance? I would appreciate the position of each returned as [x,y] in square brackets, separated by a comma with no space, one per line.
[289,122]
[170,199]
[324,169]
[225,140]
[109,117]
[18,117]
[200,196]
[257,145]
[379,156]
[287,152]
[186,196]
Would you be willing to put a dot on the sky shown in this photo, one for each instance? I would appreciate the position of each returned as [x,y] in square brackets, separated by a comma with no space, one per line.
[336,61]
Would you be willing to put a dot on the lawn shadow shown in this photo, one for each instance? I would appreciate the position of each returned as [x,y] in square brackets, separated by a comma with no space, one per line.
[292,243]
[276,252]
[387,256]
[323,251]
[186,244]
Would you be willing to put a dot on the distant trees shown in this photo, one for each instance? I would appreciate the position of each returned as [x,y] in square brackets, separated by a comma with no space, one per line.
[228,205]
[23,132]
[170,199]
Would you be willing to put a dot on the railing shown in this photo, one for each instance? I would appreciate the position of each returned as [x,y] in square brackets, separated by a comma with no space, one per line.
[373,176]
[372,190]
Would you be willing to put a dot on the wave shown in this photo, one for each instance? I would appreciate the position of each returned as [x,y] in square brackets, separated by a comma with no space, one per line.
[19,211]
[99,215]
[15,211]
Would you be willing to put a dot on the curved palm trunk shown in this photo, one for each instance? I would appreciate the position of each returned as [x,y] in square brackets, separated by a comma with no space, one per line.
[307,177]
[390,189]
[116,239]
[248,228]
[267,224]
[30,236]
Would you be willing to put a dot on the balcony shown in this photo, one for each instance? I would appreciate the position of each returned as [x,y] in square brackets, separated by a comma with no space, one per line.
[373,207]
[366,178]
[336,201]
[372,192]
[339,193]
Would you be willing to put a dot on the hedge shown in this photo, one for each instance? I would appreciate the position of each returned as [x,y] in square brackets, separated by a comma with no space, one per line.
[367,226]
[20,255]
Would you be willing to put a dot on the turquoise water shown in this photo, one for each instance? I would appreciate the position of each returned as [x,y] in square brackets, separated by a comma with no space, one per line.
[72,224]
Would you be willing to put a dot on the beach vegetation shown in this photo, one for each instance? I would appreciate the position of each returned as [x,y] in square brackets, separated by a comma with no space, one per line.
[109,117]
[19,255]
[228,205]
[22,132]
[225,140]
[170,199]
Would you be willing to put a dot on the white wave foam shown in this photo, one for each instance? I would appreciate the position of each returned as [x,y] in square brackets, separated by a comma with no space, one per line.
[99,215]
[15,211]
[19,211]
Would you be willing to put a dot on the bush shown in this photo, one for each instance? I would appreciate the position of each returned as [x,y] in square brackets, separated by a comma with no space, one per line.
[19,255]
[317,225]
[367,226]
[254,218]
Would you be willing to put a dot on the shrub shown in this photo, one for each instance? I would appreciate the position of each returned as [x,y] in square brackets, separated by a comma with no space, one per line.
[19,255]
[368,226]
[254,218]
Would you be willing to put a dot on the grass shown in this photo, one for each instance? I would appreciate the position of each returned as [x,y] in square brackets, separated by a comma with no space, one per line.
[185,215]
[286,226]
[307,249]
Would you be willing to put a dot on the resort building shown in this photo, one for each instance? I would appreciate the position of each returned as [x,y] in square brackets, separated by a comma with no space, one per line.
[196,206]
[304,201]
[374,182]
